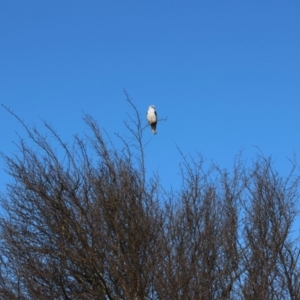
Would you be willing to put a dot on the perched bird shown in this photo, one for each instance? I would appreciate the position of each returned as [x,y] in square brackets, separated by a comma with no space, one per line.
[152,118]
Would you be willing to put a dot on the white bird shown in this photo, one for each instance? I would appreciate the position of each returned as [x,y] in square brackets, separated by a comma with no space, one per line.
[152,118]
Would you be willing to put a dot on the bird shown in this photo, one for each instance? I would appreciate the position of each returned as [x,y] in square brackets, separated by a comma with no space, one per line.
[152,118]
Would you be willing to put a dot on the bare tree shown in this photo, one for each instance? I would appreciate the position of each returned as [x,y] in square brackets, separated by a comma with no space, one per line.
[81,221]
[201,242]
[78,228]
[269,216]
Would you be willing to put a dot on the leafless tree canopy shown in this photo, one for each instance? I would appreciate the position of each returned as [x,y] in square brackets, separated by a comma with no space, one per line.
[81,221]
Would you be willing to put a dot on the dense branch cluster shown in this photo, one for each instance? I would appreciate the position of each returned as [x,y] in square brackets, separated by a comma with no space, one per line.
[82,222]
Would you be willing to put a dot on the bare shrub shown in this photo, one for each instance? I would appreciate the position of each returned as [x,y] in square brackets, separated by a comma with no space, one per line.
[81,221]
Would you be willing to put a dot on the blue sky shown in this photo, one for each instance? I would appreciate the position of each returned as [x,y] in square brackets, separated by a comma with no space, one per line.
[226,74]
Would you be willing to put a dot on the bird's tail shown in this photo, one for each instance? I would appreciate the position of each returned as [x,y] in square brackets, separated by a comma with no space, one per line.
[153,128]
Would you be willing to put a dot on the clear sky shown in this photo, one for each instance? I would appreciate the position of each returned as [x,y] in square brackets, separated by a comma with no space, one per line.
[225,73]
